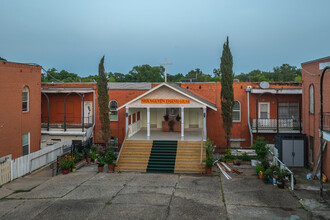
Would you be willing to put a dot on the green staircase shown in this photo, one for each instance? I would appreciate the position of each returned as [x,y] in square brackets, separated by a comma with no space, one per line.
[162,157]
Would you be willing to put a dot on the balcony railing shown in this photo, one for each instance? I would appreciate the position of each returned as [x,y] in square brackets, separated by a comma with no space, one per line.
[326,121]
[260,125]
[71,122]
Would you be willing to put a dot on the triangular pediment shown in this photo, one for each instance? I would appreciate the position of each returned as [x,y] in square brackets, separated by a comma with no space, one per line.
[168,96]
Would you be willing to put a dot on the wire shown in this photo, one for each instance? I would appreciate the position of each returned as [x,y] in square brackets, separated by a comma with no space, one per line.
[48,74]
[309,73]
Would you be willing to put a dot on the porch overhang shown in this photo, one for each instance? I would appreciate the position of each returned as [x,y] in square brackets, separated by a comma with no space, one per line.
[277,91]
[67,90]
[196,101]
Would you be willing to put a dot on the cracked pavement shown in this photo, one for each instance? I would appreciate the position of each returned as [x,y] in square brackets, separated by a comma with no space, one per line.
[87,194]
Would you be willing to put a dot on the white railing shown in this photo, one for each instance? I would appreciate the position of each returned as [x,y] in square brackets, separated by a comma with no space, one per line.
[277,162]
[134,128]
[5,172]
[122,146]
[28,163]
[284,124]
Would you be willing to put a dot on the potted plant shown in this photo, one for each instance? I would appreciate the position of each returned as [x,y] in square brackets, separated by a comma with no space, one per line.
[100,164]
[109,159]
[209,157]
[178,118]
[280,178]
[89,157]
[166,117]
[65,163]
[260,169]
[267,174]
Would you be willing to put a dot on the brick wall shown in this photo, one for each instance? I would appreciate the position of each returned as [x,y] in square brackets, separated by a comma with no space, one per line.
[13,122]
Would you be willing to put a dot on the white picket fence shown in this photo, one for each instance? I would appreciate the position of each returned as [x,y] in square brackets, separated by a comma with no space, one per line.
[5,174]
[28,163]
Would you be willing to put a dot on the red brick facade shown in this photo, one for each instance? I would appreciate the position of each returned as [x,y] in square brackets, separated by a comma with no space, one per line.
[13,121]
[311,72]
[208,91]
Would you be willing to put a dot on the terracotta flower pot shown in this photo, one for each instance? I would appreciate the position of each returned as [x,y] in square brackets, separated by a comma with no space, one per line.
[208,171]
[260,176]
[100,169]
[89,160]
[66,171]
[111,168]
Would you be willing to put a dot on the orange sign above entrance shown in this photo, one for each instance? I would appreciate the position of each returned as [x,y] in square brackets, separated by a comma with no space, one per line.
[165,101]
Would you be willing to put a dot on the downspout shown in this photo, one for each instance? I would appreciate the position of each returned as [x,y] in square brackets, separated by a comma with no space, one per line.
[93,113]
[248,90]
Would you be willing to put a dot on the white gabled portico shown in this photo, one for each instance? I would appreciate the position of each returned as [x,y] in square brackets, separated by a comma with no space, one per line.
[186,111]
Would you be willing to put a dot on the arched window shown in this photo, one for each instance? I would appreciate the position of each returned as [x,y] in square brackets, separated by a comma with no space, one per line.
[25,99]
[311,99]
[113,105]
[237,112]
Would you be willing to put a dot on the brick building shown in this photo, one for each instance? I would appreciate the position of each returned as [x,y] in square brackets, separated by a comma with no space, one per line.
[267,111]
[20,102]
[311,74]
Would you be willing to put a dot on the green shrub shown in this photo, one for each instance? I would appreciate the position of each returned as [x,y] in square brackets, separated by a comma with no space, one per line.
[94,148]
[260,148]
[109,157]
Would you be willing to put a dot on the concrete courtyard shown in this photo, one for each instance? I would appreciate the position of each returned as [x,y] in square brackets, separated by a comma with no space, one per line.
[87,194]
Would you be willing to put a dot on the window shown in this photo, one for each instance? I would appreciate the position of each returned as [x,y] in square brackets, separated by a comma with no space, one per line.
[113,105]
[237,112]
[288,110]
[25,99]
[311,99]
[26,143]
[138,116]
[311,149]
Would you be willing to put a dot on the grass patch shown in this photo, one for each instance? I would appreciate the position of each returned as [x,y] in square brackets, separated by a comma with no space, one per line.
[223,195]
[21,191]
[108,203]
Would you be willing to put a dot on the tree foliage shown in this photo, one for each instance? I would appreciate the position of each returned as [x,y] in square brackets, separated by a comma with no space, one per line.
[2,59]
[227,91]
[283,73]
[103,99]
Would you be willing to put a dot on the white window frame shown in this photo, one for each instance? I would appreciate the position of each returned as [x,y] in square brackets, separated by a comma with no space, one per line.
[111,119]
[239,111]
[311,99]
[28,134]
[268,109]
[26,90]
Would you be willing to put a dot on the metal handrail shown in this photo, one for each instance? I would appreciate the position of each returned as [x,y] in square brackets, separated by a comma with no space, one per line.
[283,166]
[122,145]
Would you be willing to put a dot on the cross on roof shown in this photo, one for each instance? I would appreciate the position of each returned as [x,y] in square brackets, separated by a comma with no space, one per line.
[166,63]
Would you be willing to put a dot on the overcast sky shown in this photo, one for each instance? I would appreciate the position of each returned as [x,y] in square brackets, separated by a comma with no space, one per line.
[74,34]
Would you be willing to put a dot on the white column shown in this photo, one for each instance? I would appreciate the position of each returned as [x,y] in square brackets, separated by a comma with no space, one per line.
[148,123]
[204,122]
[182,123]
[126,120]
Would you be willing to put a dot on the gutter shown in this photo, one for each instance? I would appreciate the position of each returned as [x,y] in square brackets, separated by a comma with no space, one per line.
[248,90]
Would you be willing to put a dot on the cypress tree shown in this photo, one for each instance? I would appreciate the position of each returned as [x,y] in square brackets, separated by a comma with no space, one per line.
[103,100]
[227,91]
